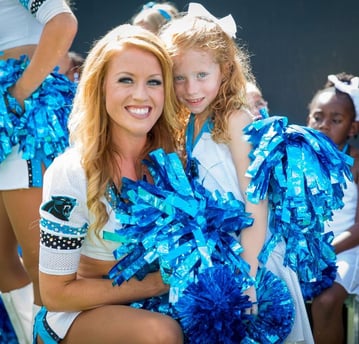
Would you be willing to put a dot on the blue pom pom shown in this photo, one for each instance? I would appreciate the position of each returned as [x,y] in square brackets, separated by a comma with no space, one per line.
[41,129]
[176,223]
[7,334]
[276,310]
[212,310]
[303,174]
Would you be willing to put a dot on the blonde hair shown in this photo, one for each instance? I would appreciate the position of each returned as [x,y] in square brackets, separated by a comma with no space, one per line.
[90,124]
[153,16]
[201,33]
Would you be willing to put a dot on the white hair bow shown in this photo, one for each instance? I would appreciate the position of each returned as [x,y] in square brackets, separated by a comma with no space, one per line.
[227,23]
[351,89]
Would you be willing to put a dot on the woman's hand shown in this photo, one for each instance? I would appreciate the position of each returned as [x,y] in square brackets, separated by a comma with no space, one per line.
[154,280]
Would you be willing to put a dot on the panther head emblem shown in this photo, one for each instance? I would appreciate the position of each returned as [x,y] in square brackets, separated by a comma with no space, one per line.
[60,207]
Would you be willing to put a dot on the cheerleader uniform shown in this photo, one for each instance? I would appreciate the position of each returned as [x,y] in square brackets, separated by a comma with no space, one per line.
[30,141]
[65,219]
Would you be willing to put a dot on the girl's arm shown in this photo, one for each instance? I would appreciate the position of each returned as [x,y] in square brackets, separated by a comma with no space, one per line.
[252,238]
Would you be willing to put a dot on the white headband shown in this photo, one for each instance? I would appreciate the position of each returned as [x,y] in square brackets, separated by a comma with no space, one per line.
[351,89]
[227,23]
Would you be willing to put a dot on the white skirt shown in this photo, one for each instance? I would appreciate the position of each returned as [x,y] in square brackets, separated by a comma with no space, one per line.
[348,270]
[14,172]
[301,331]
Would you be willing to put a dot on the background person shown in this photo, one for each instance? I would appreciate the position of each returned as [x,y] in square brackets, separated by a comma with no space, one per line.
[334,110]
[154,15]
[32,133]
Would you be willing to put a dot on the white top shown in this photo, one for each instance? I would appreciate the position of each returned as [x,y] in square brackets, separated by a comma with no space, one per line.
[343,219]
[22,21]
[65,219]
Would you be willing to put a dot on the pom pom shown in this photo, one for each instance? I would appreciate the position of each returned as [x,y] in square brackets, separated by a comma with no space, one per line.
[190,235]
[212,309]
[303,174]
[41,129]
[275,310]
[176,223]
[7,334]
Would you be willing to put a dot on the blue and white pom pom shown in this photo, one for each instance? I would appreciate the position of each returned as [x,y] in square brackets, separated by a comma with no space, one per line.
[303,174]
[177,224]
[41,129]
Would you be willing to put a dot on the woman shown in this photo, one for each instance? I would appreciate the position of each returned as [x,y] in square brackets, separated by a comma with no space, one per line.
[125,107]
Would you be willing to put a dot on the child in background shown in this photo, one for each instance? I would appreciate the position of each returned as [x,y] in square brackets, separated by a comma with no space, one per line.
[334,111]
[76,61]
[255,100]
[154,15]
[210,74]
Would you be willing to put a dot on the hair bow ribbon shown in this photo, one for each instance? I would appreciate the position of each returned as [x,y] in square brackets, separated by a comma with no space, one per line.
[351,89]
[227,23]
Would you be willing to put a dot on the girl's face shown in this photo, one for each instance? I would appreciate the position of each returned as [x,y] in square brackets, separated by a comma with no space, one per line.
[134,92]
[197,79]
[332,114]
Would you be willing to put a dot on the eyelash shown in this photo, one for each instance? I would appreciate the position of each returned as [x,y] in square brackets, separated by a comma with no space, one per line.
[152,82]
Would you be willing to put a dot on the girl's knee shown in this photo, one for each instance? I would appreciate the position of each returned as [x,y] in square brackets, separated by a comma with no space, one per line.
[327,301]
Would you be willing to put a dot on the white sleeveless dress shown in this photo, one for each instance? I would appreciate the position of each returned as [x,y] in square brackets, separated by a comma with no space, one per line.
[347,261]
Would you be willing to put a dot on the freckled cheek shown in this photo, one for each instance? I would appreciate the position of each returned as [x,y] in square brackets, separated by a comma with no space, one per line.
[179,90]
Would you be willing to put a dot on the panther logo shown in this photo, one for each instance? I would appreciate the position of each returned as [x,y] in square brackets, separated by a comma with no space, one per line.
[60,207]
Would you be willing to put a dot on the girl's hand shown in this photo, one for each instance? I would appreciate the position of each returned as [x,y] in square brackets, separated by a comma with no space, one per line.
[251,292]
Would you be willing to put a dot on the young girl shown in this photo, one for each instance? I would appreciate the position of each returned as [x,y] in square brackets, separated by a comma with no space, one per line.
[210,74]
[124,108]
[334,111]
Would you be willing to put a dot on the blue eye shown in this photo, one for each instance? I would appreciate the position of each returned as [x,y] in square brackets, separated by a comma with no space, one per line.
[178,78]
[125,80]
[201,75]
[154,82]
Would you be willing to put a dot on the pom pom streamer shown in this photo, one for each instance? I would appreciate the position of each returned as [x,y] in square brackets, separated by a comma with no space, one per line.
[41,129]
[190,235]
[302,173]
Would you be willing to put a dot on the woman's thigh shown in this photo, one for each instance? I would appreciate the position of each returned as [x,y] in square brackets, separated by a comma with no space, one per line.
[123,324]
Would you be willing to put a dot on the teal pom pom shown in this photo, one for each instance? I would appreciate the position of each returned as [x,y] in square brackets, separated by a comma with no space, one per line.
[177,223]
[41,129]
[303,174]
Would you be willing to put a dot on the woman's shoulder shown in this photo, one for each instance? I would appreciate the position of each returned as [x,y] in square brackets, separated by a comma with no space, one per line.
[67,163]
